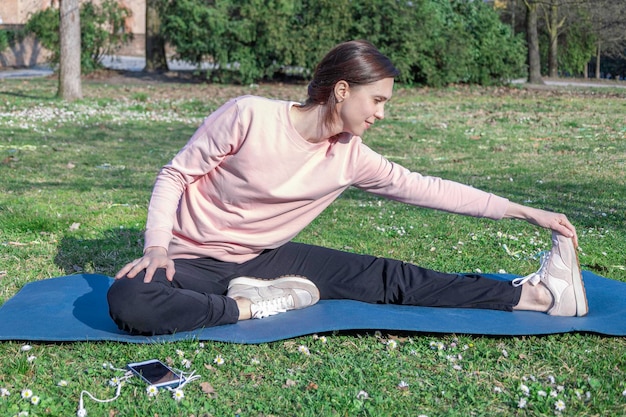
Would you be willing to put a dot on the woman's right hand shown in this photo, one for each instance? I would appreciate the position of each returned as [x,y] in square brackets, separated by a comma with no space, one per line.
[153,258]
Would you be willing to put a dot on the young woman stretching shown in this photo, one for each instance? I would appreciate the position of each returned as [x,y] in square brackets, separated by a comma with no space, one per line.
[223,212]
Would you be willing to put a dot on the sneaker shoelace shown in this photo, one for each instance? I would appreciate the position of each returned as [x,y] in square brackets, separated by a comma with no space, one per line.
[266,308]
[535,277]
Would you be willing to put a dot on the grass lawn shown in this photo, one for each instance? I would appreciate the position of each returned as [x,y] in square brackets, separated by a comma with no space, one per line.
[76,179]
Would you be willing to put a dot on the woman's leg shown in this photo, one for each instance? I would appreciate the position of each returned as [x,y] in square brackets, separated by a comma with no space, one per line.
[344,275]
[194,299]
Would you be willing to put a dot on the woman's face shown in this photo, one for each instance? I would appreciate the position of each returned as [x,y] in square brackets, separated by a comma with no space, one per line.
[362,105]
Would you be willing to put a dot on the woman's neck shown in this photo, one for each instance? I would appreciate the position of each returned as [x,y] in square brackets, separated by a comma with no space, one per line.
[309,123]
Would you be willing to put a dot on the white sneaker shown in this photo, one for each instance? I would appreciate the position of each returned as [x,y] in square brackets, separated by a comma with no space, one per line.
[560,273]
[274,296]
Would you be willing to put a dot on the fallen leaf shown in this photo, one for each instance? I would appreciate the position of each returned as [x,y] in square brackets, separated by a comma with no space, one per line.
[75,226]
[289,383]
[208,389]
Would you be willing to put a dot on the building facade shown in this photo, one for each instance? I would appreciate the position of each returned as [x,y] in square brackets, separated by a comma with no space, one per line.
[15,13]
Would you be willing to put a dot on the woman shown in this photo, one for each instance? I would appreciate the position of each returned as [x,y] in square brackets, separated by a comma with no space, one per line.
[258,171]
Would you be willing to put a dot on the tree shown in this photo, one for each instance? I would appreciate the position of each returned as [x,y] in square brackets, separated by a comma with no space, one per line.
[156,60]
[554,24]
[532,38]
[70,87]
[608,19]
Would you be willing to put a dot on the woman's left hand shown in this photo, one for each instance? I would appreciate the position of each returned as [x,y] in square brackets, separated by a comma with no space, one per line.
[550,220]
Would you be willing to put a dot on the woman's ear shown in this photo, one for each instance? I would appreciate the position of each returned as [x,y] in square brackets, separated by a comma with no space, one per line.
[342,90]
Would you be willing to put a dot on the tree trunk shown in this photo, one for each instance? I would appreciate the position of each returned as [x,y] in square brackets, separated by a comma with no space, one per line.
[156,60]
[553,33]
[598,56]
[70,87]
[534,63]
[513,16]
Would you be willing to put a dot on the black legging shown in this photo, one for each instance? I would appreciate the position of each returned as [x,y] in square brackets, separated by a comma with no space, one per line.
[196,297]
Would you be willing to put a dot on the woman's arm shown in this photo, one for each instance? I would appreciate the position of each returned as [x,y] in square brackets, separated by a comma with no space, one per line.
[554,221]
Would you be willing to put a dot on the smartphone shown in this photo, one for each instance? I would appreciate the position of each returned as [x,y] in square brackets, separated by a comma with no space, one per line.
[154,372]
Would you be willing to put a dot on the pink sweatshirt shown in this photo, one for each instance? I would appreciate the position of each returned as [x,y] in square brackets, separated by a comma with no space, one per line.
[247,181]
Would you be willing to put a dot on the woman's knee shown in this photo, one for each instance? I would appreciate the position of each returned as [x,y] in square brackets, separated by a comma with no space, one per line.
[129,302]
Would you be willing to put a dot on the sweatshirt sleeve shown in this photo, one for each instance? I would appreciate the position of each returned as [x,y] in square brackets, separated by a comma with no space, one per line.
[217,137]
[382,177]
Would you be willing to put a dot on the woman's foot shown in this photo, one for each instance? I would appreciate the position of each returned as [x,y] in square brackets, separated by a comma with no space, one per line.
[560,275]
[258,298]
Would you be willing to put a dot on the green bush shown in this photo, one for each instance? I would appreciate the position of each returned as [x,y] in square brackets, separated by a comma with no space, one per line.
[4,40]
[578,46]
[432,42]
[101,30]
[496,54]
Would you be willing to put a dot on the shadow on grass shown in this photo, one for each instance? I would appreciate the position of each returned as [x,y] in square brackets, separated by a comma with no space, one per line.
[105,255]
[49,97]
[587,205]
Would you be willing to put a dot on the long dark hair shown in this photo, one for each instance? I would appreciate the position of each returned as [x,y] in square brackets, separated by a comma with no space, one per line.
[356,62]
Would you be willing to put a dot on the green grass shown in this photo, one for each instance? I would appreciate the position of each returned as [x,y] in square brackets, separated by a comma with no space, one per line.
[76,179]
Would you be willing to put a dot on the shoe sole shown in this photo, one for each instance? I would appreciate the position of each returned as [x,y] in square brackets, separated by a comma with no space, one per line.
[305,283]
[580,293]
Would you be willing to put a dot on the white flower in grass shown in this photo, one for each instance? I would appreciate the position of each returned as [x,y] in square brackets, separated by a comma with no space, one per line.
[115,381]
[437,345]
[255,361]
[362,395]
[34,400]
[22,414]
[152,391]
[26,348]
[178,394]
[624,393]
[554,394]
[392,344]
[201,345]
[525,390]
[186,363]
[219,360]
[4,392]
[31,358]
[304,350]
[551,379]
[542,393]
[26,394]
[403,385]
[497,390]
[180,353]
[521,403]
[323,339]
[62,383]
[559,405]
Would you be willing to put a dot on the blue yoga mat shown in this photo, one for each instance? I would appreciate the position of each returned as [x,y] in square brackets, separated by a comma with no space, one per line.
[74,308]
